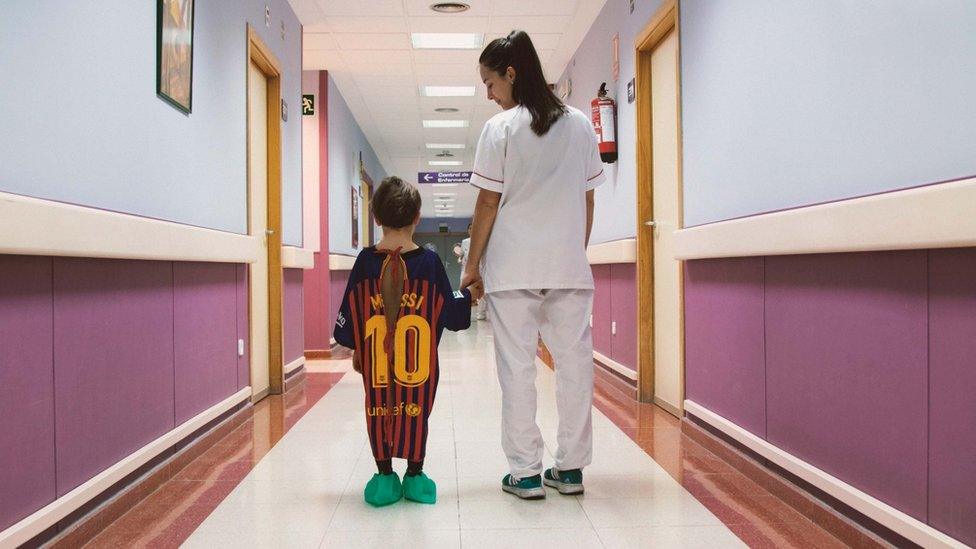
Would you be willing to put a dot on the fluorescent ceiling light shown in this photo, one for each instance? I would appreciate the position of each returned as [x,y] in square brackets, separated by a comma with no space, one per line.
[447,91]
[443,194]
[445,162]
[447,40]
[443,184]
[444,199]
[445,145]
[445,123]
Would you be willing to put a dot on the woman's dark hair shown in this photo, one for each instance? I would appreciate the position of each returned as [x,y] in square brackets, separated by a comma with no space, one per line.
[530,88]
[396,203]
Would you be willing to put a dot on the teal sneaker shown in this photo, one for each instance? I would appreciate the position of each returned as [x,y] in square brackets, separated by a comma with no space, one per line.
[420,488]
[525,488]
[567,482]
[383,490]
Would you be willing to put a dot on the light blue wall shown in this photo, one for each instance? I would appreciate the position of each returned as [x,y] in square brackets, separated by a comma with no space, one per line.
[787,104]
[346,141]
[616,200]
[83,123]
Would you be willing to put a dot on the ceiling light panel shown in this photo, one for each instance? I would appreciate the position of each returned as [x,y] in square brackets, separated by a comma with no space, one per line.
[445,145]
[445,162]
[447,91]
[446,124]
[447,40]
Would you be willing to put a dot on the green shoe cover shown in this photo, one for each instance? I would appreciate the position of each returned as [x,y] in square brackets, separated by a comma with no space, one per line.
[383,490]
[420,488]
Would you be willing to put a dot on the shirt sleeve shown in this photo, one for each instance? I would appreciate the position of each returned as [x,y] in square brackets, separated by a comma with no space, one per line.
[489,158]
[456,313]
[594,166]
[343,331]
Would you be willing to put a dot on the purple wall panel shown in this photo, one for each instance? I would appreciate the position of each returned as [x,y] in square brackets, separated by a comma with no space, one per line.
[205,329]
[623,299]
[294,315]
[243,328]
[337,287]
[724,341]
[846,368]
[27,383]
[113,356]
[602,310]
[952,386]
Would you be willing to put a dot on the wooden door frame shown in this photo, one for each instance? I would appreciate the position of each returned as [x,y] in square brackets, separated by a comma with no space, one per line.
[265,60]
[664,21]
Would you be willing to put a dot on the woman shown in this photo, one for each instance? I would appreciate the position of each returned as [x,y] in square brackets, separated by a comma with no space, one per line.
[537,164]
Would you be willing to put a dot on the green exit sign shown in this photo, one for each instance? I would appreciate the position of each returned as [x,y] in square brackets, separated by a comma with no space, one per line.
[442,228]
[308,105]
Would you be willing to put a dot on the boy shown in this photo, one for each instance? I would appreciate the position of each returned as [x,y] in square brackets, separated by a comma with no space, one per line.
[397,303]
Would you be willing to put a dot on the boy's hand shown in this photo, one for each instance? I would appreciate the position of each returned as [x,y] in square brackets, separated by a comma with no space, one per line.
[356,365]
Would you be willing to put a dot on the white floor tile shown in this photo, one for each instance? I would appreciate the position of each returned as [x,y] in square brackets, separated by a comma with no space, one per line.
[581,538]
[411,539]
[307,492]
[670,537]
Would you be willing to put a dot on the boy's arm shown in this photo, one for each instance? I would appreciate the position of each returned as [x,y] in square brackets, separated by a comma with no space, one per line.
[343,332]
[456,313]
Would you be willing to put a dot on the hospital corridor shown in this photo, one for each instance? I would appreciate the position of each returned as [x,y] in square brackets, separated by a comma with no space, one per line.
[487,274]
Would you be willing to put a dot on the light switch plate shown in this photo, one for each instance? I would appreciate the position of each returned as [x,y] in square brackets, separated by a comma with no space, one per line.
[591,321]
[613,328]
[240,347]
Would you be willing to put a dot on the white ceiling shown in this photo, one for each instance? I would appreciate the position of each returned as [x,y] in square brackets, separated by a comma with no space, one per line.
[365,45]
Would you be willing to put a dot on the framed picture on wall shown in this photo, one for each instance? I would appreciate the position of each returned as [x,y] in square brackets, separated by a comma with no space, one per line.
[174,52]
[354,193]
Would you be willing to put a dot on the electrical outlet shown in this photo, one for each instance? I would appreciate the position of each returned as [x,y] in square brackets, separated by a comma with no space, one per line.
[613,328]
[240,347]
[267,15]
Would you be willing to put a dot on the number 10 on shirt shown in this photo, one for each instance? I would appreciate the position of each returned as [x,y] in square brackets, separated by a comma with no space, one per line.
[376,333]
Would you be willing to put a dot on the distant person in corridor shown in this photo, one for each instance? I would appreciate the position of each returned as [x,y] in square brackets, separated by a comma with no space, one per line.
[537,165]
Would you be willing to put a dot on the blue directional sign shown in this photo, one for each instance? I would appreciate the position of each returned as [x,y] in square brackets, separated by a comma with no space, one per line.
[443,177]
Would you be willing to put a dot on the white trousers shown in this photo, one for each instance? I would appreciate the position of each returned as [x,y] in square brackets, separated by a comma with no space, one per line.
[562,317]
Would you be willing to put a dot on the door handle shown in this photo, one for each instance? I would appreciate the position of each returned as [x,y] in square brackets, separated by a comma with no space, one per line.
[269,232]
[650,223]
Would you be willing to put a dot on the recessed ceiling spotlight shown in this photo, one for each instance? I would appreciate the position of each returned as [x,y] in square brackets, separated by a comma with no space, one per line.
[450,7]
[445,154]
[446,109]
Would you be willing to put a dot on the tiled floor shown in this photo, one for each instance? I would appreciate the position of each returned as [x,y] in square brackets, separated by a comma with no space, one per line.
[293,477]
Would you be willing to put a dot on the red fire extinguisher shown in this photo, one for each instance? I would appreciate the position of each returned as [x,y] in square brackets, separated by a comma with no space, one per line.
[604,113]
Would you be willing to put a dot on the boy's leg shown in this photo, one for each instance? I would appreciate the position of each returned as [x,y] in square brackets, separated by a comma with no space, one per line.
[515,324]
[566,332]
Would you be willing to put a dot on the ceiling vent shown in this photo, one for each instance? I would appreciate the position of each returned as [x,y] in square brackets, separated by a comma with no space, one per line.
[450,7]
[445,109]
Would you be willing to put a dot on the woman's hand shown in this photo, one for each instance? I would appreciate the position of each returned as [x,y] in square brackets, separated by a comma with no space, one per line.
[477,291]
[471,276]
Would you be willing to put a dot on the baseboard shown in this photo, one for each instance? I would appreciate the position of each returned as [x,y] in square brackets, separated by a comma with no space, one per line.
[667,406]
[898,522]
[294,365]
[256,397]
[48,516]
[617,367]
[317,354]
